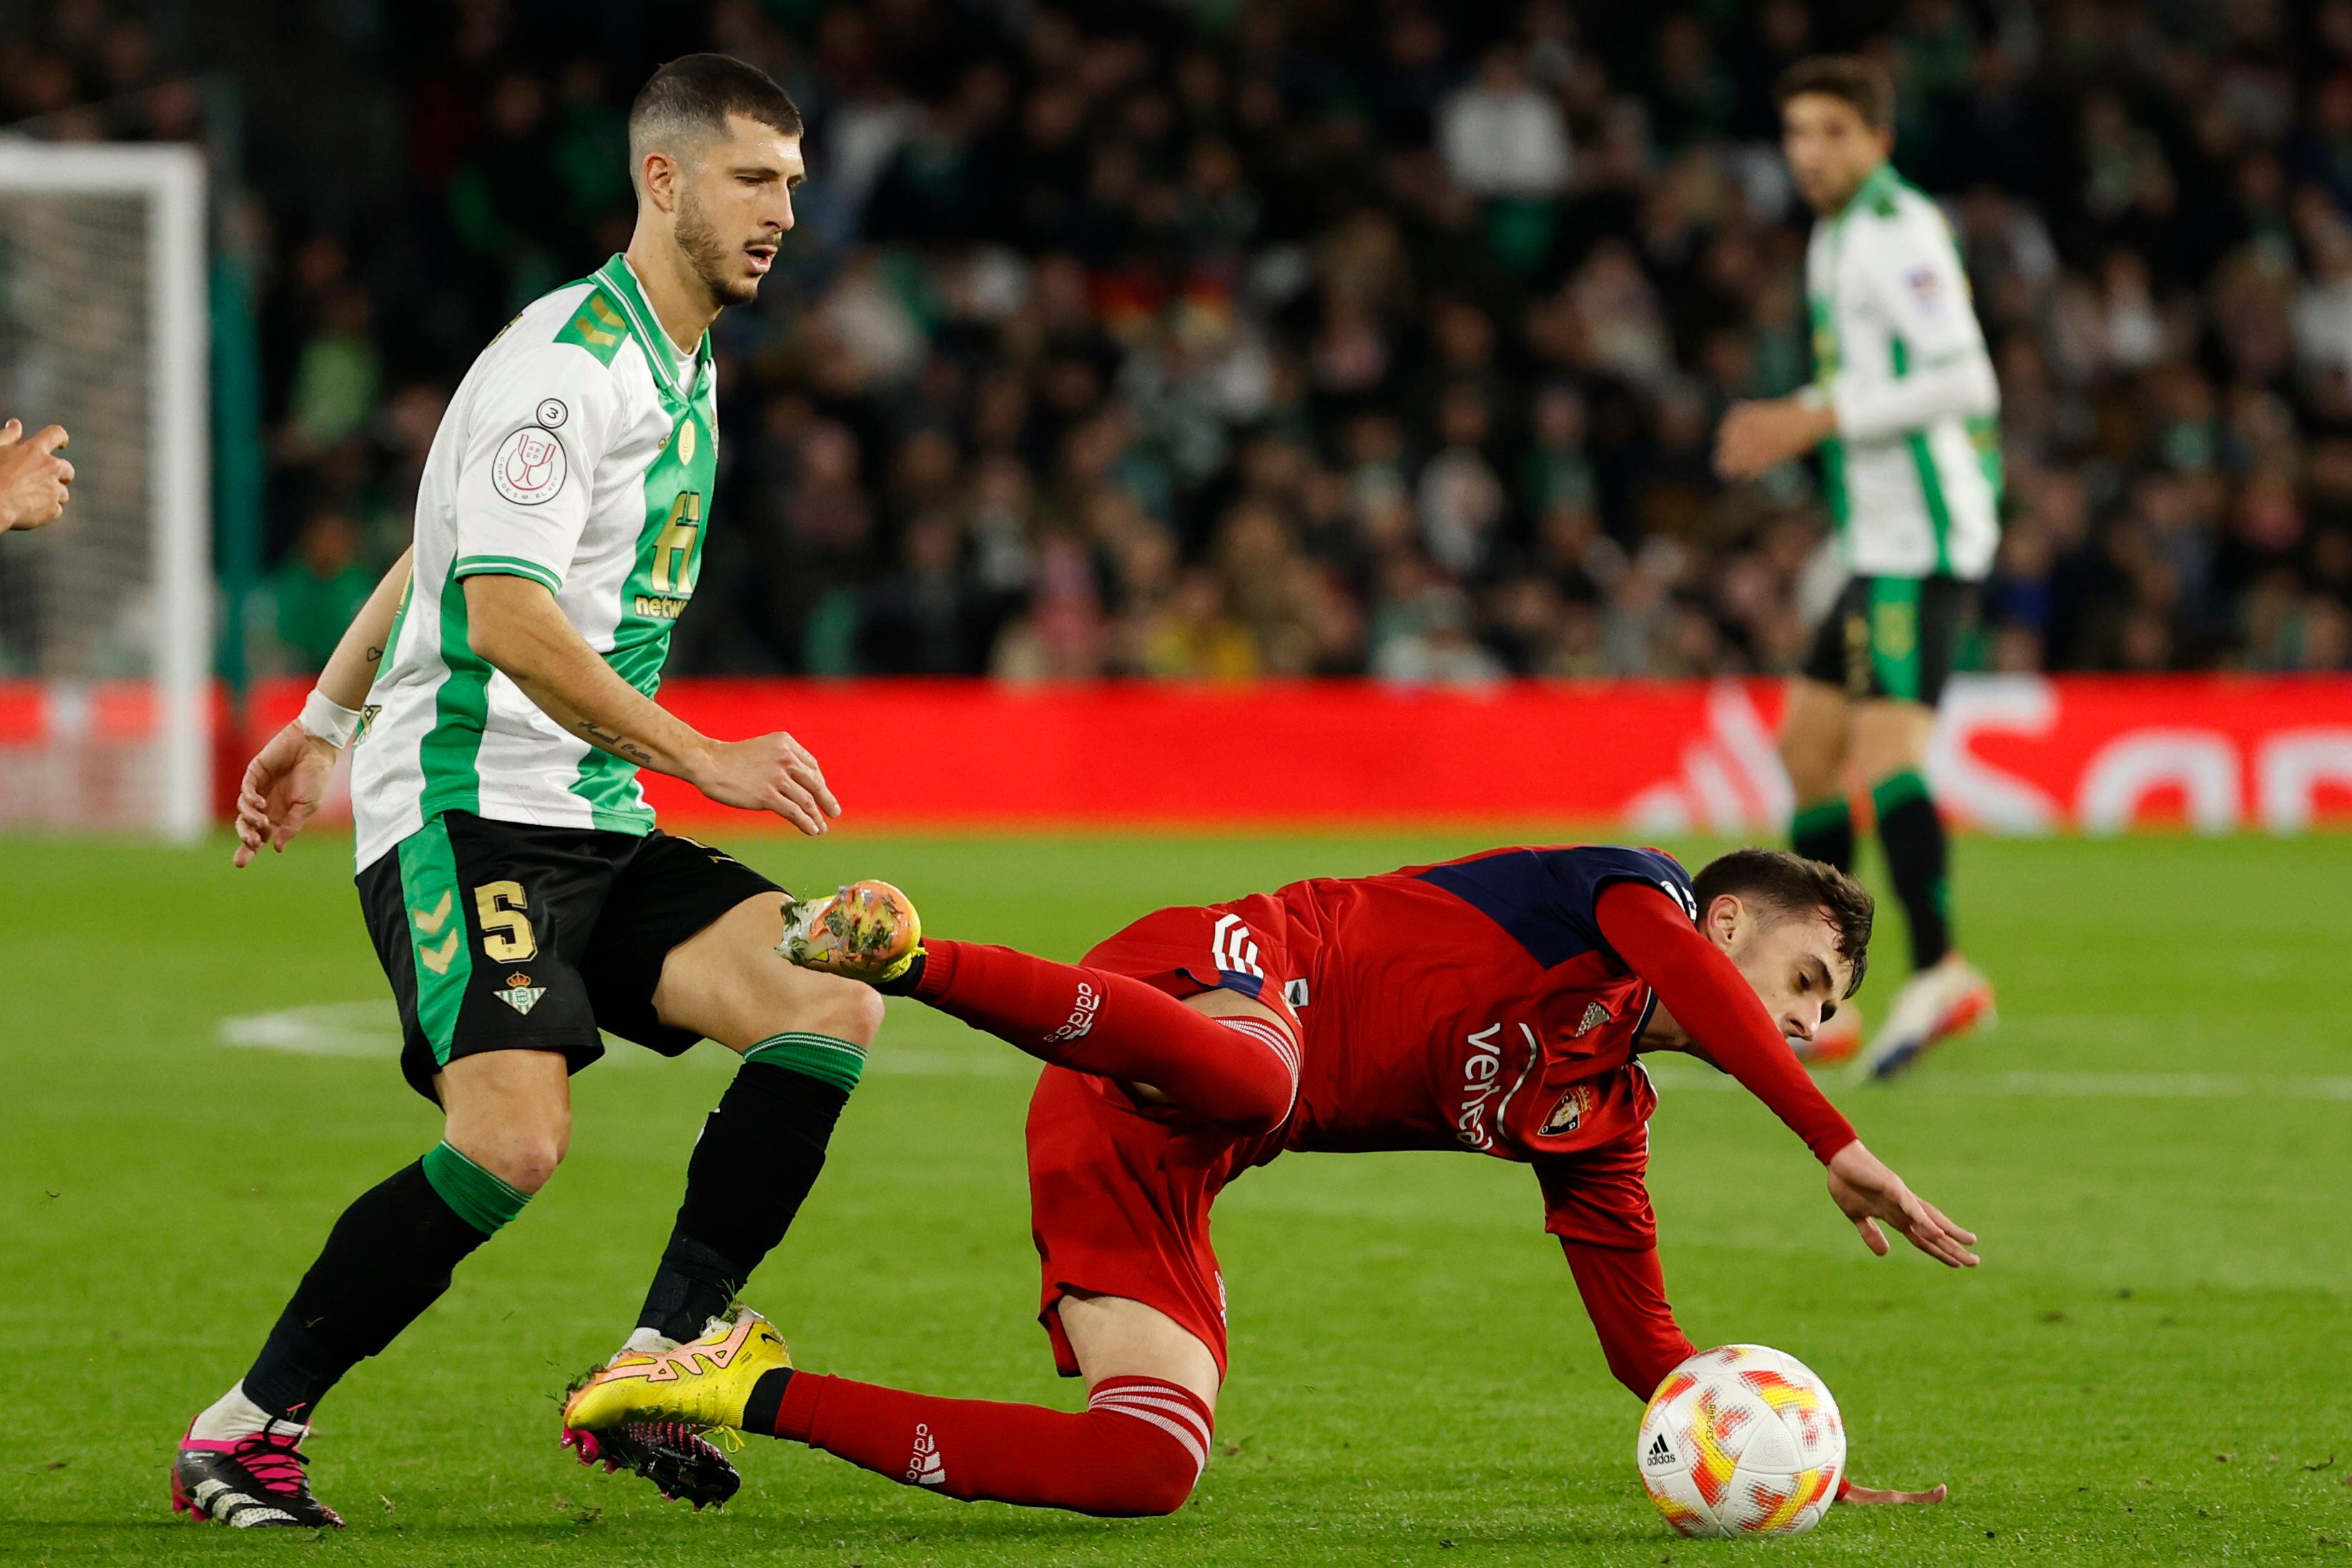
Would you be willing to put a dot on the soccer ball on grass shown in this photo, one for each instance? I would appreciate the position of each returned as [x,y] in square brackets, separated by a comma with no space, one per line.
[1741,1440]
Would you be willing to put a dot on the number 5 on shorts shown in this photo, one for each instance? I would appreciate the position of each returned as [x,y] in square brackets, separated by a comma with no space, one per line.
[507,936]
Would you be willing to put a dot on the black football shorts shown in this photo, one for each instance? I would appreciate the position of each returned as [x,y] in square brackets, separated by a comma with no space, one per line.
[1893,637]
[511,936]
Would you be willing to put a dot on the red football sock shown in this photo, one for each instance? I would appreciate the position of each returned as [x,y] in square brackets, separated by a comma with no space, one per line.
[1137,1447]
[1234,1072]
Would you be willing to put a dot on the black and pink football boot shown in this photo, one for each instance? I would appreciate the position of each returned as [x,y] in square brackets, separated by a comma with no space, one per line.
[249,1482]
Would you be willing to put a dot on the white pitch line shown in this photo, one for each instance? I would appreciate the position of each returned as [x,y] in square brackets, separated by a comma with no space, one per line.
[2035,1085]
[368,1028]
[372,1029]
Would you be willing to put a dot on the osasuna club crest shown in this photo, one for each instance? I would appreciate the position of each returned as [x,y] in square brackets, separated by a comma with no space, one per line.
[520,994]
[1568,1115]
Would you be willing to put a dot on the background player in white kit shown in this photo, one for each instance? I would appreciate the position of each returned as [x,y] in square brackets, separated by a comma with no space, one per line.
[1903,409]
[518,895]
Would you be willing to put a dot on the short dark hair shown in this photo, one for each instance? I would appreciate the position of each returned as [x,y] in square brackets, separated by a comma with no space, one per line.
[1852,79]
[695,93]
[1791,885]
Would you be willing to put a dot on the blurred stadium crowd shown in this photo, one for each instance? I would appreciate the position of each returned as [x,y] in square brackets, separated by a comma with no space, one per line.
[1218,338]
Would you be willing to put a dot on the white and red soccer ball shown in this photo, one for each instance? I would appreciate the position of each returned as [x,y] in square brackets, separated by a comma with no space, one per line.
[1741,1440]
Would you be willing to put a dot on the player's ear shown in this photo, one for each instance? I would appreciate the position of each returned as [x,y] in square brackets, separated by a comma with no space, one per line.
[657,177]
[1725,916]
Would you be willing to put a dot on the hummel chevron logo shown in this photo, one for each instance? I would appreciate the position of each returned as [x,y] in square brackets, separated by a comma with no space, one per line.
[431,924]
[437,959]
[1660,1451]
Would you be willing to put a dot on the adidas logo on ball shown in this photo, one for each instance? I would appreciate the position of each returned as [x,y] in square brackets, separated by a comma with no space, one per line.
[1660,1453]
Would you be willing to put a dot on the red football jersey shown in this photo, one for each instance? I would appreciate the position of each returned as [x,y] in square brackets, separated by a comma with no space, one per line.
[1470,1005]
[1474,1005]
[1505,1027]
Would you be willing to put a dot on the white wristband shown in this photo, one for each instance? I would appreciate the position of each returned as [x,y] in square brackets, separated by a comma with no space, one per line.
[324,718]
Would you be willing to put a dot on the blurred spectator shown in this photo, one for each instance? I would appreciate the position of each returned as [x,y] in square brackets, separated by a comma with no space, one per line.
[1221,342]
[317,589]
[1503,136]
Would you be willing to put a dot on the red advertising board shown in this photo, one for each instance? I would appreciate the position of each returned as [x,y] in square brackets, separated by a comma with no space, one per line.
[2013,754]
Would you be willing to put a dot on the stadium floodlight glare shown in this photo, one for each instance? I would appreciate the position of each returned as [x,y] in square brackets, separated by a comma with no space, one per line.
[105,617]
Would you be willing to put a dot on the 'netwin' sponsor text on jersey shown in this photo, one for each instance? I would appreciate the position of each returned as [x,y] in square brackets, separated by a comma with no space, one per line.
[579,451]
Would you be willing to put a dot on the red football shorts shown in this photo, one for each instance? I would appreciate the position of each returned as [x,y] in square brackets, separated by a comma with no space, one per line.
[1119,1195]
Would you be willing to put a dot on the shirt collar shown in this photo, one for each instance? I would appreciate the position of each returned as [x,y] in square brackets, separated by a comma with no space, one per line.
[618,275]
[1880,181]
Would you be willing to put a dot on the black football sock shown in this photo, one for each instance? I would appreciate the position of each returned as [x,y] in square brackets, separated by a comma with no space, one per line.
[1824,831]
[767,1401]
[759,1156]
[388,1259]
[1918,857]
[904,986]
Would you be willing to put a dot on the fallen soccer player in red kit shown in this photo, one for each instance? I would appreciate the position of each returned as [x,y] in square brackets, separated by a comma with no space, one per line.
[1495,1004]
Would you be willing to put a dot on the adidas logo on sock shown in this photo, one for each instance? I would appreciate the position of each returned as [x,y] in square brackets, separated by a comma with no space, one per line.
[925,1467]
[1660,1453]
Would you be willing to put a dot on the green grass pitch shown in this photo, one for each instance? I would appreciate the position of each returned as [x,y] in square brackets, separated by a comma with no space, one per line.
[2150,1368]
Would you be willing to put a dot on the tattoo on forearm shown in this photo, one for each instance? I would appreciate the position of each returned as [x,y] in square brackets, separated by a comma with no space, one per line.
[620,743]
[374,655]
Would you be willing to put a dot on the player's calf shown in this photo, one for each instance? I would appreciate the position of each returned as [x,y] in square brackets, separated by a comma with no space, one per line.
[1237,1069]
[1136,1451]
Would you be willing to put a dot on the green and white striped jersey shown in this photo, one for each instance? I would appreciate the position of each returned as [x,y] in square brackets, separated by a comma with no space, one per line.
[579,451]
[1914,472]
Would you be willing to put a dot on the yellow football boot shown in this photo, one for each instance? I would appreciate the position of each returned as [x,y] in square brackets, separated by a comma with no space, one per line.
[703,1384]
[868,931]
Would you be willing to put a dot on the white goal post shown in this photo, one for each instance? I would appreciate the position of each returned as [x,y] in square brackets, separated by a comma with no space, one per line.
[106,694]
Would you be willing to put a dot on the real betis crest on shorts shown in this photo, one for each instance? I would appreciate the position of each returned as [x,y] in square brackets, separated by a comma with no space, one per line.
[520,994]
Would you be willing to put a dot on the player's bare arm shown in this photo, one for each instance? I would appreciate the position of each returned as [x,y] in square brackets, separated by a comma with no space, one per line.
[1757,437]
[288,777]
[34,482]
[515,624]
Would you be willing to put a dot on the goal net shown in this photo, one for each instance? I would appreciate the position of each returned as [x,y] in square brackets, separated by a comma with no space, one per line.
[105,693]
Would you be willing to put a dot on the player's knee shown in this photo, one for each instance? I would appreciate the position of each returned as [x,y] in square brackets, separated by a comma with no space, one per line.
[1260,1101]
[1256,1083]
[1160,1487]
[522,1157]
[1156,1478]
[1152,1438]
[823,1004]
[855,1012]
[1812,769]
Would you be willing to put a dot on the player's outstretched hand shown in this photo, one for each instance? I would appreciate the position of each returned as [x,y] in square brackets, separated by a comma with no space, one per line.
[1849,1492]
[283,785]
[1869,1193]
[34,479]
[769,773]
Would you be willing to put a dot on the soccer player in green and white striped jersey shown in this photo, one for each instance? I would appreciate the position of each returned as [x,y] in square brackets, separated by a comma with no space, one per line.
[520,899]
[1903,410]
